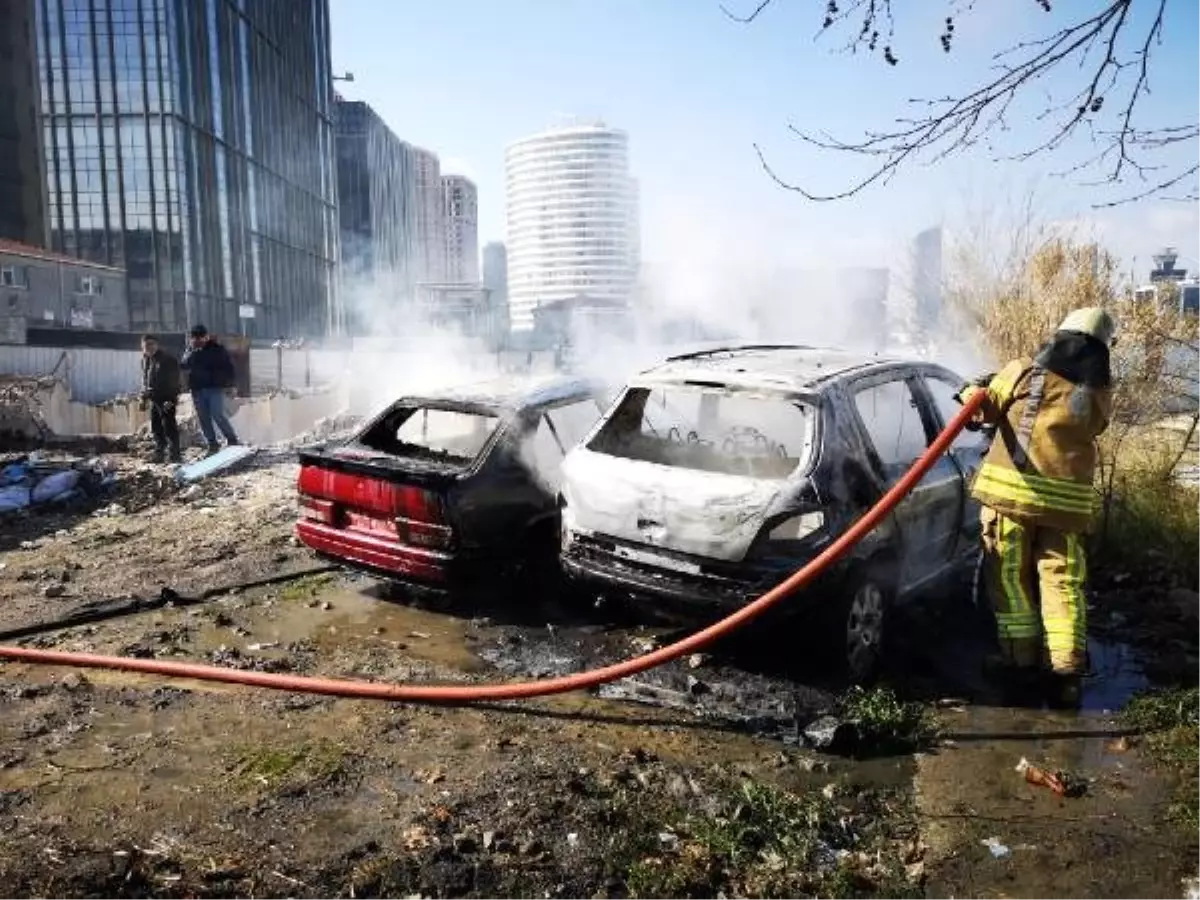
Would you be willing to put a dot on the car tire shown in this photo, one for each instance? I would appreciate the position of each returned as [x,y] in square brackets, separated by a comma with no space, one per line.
[863,625]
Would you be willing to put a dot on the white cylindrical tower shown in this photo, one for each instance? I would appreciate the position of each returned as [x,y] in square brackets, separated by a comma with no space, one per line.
[572,219]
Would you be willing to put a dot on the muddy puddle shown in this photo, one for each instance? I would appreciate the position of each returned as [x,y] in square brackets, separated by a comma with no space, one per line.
[338,618]
[991,834]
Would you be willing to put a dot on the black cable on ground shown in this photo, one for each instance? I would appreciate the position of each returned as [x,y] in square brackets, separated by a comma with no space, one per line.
[104,610]
[1064,734]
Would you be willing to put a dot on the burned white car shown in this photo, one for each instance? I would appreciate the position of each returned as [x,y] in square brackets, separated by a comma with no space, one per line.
[716,475]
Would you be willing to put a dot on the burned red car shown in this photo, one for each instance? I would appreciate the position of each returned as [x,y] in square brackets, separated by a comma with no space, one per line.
[448,490]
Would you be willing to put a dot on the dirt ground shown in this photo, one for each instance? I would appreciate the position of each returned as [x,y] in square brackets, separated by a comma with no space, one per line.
[690,780]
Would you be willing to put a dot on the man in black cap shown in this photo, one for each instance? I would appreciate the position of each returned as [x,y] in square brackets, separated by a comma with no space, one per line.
[160,388]
[210,375]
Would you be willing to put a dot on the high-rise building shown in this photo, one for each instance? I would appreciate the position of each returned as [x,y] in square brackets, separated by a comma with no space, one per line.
[431,217]
[572,219]
[377,202]
[191,143]
[461,206]
[926,282]
[495,278]
[22,185]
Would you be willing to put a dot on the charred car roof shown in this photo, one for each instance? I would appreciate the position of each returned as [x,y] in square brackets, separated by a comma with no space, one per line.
[510,393]
[764,366]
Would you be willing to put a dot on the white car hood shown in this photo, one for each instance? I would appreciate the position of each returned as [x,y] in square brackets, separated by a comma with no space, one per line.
[700,513]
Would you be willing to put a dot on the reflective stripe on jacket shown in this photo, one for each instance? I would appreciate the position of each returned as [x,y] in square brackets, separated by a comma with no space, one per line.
[1042,462]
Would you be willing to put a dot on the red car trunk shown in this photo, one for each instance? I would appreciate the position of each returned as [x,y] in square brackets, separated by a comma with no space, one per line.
[396,527]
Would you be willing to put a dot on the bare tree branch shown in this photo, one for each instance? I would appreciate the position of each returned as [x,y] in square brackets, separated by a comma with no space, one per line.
[1111,50]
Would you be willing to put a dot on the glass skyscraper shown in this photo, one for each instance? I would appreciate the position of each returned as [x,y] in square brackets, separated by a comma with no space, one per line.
[378,203]
[191,143]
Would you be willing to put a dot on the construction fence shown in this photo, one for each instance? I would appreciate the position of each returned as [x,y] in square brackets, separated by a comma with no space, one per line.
[94,375]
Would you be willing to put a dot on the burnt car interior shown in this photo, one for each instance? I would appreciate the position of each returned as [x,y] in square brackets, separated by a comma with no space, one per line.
[708,428]
[430,433]
[557,430]
[892,418]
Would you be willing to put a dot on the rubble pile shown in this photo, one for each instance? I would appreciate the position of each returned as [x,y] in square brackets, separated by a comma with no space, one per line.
[32,480]
[341,426]
[21,413]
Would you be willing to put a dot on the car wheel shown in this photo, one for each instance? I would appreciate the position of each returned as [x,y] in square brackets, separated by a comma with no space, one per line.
[864,628]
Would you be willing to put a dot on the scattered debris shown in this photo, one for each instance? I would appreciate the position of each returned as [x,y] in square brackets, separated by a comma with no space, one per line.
[224,459]
[999,850]
[1118,745]
[53,591]
[32,480]
[697,660]
[644,645]
[1062,783]
[830,734]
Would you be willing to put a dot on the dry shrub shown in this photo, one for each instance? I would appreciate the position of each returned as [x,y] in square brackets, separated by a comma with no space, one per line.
[1015,307]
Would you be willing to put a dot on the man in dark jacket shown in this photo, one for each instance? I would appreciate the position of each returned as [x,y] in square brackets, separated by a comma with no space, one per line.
[210,376]
[160,388]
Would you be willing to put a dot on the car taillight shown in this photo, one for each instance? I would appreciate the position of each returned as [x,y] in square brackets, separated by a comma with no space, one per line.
[317,509]
[410,513]
[371,495]
[424,534]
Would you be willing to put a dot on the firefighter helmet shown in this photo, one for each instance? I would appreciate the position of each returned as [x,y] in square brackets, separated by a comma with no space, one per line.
[1092,321]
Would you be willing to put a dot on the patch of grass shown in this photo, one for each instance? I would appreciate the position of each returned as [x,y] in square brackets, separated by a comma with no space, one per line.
[1171,719]
[307,587]
[887,724]
[1163,710]
[289,768]
[1152,518]
[768,842]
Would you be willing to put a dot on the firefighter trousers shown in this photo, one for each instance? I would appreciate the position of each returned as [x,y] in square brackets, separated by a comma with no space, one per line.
[1035,578]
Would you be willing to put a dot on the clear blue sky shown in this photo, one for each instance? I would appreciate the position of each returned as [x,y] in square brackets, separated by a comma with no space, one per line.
[695,90]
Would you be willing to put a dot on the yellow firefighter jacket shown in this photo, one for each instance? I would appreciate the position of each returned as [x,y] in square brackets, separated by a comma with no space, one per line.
[1042,462]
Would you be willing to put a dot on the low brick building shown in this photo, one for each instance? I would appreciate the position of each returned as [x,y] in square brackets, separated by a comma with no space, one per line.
[41,288]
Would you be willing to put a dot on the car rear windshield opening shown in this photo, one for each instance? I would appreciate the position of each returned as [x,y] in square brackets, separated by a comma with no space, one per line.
[448,434]
[758,435]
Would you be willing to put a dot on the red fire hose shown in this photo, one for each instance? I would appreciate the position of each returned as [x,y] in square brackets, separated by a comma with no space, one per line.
[427,693]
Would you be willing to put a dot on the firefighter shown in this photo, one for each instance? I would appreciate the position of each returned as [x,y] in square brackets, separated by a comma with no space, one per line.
[1035,486]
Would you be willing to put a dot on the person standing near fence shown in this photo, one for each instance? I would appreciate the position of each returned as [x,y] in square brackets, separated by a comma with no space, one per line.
[210,374]
[160,389]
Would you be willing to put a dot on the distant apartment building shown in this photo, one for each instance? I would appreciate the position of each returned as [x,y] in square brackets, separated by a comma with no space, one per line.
[377,204]
[431,217]
[22,184]
[495,278]
[572,219]
[41,288]
[926,281]
[461,208]
[191,143]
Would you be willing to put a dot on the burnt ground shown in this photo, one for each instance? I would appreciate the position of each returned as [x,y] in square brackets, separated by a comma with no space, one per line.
[689,780]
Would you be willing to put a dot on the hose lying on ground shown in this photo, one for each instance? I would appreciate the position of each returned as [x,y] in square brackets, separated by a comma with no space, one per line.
[451,694]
